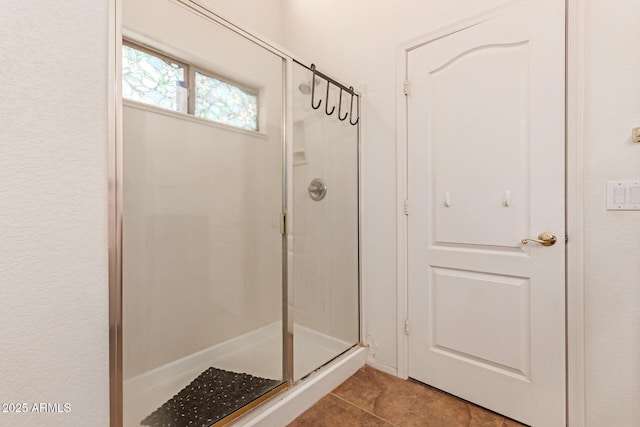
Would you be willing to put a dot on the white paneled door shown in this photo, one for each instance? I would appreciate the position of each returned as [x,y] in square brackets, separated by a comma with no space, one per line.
[485,127]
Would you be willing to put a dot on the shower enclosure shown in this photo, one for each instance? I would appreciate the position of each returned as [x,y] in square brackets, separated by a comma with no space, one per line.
[325,223]
[239,219]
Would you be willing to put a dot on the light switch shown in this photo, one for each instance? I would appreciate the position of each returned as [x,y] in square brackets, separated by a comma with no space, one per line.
[623,195]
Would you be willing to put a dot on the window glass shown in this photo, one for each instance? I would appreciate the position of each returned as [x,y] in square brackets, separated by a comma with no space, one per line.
[223,102]
[150,79]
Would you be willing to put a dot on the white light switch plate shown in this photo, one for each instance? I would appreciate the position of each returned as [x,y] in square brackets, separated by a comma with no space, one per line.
[623,195]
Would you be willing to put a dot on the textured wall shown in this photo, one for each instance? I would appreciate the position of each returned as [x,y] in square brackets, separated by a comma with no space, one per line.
[53,212]
[612,275]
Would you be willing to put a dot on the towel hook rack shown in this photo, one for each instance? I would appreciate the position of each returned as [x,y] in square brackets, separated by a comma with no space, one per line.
[326,102]
[342,88]
[351,109]
[313,89]
[340,108]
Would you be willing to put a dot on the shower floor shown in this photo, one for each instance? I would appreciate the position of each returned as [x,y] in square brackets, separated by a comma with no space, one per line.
[258,353]
[212,396]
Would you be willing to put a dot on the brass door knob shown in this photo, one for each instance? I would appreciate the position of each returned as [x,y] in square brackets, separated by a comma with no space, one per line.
[545,239]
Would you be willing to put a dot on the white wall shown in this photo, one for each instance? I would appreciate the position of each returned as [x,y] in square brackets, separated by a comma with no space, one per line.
[260,17]
[53,215]
[612,260]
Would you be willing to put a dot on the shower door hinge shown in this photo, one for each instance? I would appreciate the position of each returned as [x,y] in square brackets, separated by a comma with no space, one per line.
[406,207]
[283,223]
[406,326]
[406,87]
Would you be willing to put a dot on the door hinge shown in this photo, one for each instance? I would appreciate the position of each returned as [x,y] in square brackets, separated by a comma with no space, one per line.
[406,326]
[406,87]
[406,207]
[283,223]
[566,238]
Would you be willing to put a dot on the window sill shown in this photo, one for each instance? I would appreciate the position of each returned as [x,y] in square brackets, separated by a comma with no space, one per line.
[188,117]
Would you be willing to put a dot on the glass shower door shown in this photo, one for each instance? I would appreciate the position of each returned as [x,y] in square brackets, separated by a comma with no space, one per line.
[325,226]
[202,202]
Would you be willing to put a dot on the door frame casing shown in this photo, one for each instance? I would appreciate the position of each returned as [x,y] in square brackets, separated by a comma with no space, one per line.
[574,221]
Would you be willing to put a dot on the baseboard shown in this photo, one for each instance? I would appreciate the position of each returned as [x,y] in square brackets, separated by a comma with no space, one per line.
[288,405]
[380,367]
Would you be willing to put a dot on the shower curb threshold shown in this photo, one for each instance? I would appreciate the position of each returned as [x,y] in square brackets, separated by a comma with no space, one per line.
[289,404]
[147,391]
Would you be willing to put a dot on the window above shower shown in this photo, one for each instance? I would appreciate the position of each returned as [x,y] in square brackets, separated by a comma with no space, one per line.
[224,102]
[154,78]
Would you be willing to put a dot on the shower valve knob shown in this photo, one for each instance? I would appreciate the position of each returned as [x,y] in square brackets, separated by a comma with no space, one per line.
[317,189]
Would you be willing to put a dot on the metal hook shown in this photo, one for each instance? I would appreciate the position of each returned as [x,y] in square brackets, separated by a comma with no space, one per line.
[326,102]
[351,109]
[340,108]
[313,89]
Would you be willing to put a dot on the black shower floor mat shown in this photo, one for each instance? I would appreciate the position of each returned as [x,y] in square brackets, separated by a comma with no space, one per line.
[212,396]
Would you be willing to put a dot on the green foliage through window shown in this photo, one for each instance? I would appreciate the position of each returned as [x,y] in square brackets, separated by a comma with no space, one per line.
[149,79]
[225,103]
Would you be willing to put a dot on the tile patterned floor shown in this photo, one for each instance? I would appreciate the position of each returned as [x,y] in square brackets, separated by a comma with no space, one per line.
[373,398]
